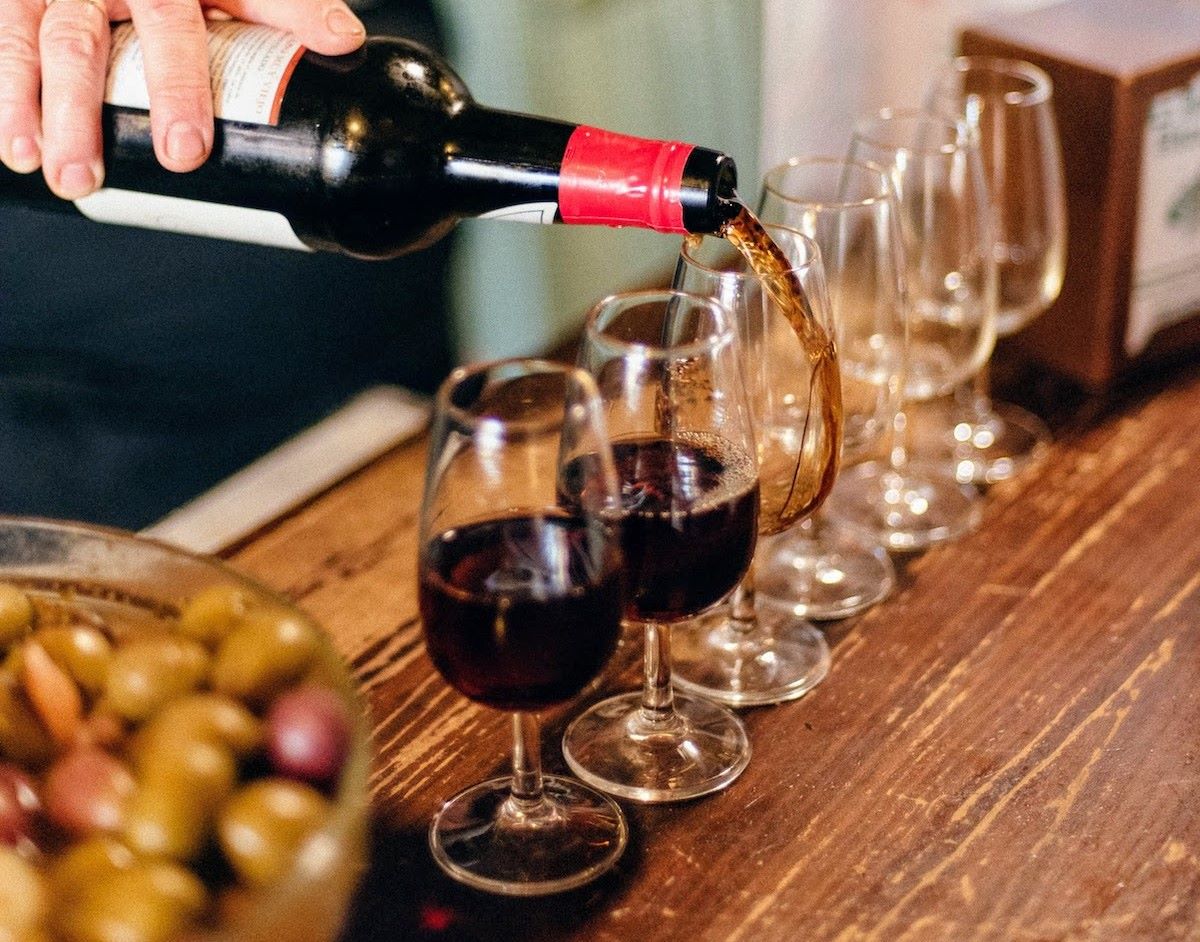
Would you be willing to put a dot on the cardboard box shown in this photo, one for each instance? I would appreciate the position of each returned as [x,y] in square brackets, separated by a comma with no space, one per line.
[1127,87]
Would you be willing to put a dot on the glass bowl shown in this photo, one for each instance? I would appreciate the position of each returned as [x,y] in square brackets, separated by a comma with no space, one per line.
[114,568]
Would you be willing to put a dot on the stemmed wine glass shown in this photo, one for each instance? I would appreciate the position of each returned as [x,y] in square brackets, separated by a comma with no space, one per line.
[752,653]
[823,568]
[934,167]
[1008,103]
[521,601]
[669,372]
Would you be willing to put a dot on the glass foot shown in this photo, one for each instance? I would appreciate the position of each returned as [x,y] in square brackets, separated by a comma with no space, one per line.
[999,445]
[621,749]
[486,839]
[909,510]
[782,659]
[824,572]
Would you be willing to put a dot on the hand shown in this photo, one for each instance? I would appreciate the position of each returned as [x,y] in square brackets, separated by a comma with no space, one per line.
[60,50]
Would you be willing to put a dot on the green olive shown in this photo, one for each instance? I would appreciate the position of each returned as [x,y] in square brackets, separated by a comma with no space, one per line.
[153,901]
[23,738]
[16,613]
[202,766]
[149,671]
[206,716]
[85,864]
[263,826]
[22,896]
[268,652]
[167,818]
[80,650]
[214,612]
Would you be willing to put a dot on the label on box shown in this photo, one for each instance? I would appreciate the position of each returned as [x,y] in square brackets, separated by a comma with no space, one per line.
[1166,264]
[249,64]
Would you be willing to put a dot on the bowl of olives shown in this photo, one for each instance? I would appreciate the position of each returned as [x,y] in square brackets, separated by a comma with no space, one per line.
[182,753]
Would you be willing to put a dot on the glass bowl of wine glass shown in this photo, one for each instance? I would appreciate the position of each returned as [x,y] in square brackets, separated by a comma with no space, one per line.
[182,753]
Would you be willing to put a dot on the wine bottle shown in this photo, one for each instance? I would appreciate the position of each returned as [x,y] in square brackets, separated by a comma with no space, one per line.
[375,154]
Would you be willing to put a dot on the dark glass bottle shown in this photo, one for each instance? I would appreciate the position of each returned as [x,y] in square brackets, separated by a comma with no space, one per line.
[382,151]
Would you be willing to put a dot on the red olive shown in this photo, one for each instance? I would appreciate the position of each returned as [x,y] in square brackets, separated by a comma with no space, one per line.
[86,792]
[308,734]
[18,805]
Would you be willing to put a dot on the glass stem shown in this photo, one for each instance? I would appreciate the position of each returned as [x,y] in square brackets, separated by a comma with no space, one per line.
[900,440]
[742,617]
[527,794]
[981,393]
[658,700]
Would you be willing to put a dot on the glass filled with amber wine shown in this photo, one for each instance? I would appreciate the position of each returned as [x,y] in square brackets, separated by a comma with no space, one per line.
[771,280]
[823,568]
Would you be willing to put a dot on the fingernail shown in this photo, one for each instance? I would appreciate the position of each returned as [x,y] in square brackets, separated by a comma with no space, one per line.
[184,142]
[76,180]
[25,153]
[344,23]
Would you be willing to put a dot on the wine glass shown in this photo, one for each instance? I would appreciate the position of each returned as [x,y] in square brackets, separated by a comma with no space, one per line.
[1008,102]
[521,602]
[752,653]
[934,167]
[823,568]
[669,372]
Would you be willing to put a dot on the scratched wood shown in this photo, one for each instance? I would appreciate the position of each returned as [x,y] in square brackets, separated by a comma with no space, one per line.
[1006,749]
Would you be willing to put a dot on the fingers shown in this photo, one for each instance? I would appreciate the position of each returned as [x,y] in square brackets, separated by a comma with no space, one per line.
[175,52]
[73,40]
[20,82]
[325,26]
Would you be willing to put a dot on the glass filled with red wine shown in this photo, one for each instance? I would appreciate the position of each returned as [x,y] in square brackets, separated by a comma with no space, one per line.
[521,597]
[668,368]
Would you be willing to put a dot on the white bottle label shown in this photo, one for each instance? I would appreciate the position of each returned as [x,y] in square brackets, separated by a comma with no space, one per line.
[190,217]
[250,66]
[1166,264]
[542,213]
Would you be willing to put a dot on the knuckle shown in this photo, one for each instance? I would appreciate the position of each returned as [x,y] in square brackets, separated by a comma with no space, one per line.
[179,92]
[17,48]
[68,38]
[173,12]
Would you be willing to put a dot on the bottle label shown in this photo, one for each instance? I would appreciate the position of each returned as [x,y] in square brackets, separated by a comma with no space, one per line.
[249,64]
[544,213]
[190,217]
[616,180]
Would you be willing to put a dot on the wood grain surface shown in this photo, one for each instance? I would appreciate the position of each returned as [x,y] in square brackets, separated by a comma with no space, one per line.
[1008,748]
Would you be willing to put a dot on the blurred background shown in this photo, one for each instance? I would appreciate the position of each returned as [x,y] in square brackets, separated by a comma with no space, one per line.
[759,79]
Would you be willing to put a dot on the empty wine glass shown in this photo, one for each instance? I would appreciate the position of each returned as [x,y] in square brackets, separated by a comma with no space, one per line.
[667,365]
[1008,103]
[934,167]
[521,602]
[750,652]
[824,568]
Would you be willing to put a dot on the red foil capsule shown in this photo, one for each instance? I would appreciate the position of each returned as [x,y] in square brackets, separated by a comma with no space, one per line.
[615,180]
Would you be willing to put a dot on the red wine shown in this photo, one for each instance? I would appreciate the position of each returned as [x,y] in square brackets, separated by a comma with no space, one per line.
[381,152]
[690,517]
[520,613]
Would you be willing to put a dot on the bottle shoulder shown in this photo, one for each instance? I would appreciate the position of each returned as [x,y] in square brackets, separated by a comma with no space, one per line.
[387,75]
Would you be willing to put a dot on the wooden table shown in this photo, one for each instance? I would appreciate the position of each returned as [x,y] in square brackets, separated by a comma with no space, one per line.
[1008,748]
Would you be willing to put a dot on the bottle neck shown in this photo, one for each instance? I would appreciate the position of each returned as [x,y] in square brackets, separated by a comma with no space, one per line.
[506,165]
